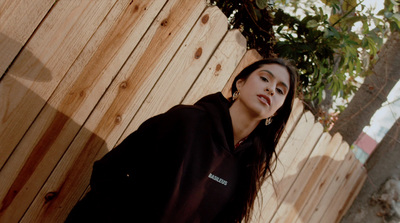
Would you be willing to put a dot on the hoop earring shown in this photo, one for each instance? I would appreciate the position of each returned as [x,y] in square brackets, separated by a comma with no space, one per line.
[268,121]
[235,95]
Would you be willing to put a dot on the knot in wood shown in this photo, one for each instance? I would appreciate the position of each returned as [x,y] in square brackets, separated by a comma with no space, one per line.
[205,19]
[123,85]
[136,8]
[198,53]
[218,68]
[118,119]
[50,196]
[164,22]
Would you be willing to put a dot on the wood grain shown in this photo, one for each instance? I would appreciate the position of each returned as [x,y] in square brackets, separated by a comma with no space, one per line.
[306,181]
[183,70]
[219,68]
[318,190]
[36,156]
[343,173]
[346,193]
[19,19]
[114,111]
[291,161]
[42,64]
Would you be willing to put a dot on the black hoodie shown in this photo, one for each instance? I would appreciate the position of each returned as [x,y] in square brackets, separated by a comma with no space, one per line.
[180,166]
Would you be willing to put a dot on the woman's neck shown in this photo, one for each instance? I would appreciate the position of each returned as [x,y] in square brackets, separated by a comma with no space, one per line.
[243,123]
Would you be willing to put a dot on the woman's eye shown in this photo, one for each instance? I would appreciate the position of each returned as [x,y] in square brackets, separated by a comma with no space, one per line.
[280,91]
[263,78]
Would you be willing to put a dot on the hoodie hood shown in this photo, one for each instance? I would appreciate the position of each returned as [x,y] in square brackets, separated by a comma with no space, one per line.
[217,106]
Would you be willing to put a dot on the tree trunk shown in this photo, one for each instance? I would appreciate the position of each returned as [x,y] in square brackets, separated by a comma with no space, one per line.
[376,201]
[372,93]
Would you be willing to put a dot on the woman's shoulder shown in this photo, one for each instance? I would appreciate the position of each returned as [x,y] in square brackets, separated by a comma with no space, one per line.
[177,119]
[187,111]
[187,108]
[203,112]
[212,103]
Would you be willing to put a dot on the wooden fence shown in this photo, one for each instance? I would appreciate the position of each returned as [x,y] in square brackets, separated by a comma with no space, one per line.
[78,76]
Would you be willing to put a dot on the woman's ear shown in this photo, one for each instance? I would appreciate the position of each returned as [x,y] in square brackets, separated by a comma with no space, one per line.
[240,83]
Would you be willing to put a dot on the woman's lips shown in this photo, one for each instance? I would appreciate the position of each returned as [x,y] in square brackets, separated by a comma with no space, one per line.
[264,99]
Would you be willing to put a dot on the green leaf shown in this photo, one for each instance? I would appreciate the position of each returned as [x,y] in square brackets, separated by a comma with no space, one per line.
[396,16]
[349,21]
[349,5]
[262,4]
[336,8]
[364,43]
[375,38]
[358,66]
[365,27]
[396,19]
[320,93]
[279,29]
[346,60]
[394,2]
[351,67]
[381,12]
[371,45]
[332,32]
[328,3]
[388,14]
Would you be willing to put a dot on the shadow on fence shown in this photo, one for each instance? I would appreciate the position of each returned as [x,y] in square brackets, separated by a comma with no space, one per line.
[24,170]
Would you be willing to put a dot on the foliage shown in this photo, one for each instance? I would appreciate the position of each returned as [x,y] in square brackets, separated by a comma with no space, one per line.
[330,53]
[253,20]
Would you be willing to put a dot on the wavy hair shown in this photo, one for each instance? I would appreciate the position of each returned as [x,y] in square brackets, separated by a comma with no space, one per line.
[262,160]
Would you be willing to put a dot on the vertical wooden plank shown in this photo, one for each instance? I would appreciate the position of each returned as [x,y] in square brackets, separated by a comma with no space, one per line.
[19,19]
[317,193]
[114,111]
[305,182]
[290,162]
[185,67]
[42,64]
[294,117]
[357,186]
[70,105]
[341,175]
[220,67]
[346,193]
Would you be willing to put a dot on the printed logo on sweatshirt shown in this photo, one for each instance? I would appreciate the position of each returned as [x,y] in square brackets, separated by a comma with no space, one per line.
[219,180]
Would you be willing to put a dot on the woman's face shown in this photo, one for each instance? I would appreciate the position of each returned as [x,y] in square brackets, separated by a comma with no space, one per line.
[264,91]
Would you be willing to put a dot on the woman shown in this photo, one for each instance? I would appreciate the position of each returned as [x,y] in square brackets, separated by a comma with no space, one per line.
[199,163]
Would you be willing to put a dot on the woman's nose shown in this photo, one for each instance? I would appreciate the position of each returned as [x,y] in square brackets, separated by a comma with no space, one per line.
[271,92]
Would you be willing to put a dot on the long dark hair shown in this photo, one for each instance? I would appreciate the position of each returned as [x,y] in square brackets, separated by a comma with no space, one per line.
[262,159]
